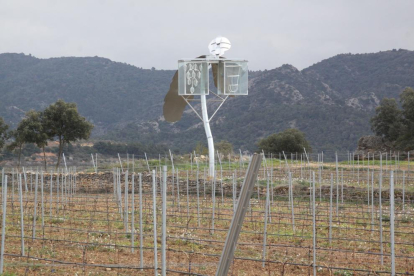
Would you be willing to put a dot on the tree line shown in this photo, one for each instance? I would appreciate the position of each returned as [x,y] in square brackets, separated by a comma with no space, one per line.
[60,122]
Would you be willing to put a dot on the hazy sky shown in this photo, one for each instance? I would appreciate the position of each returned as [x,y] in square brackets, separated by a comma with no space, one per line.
[157,33]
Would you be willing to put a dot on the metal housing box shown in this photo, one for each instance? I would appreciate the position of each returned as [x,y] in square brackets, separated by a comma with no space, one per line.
[193,78]
[231,76]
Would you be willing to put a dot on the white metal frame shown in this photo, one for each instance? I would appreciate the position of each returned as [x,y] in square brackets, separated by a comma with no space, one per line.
[204,112]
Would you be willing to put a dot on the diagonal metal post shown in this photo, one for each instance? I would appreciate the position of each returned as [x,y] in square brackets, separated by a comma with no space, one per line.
[246,192]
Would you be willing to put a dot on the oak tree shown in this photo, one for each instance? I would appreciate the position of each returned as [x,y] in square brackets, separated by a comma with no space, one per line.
[388,120]
[63,122]
[291,140]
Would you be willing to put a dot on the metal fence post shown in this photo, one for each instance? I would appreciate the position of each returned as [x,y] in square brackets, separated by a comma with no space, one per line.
[35,209]
[291,201]
[314,224]
[21,215]
[392,223]
[164,221]
[154,210]
[330,211]
[380,217]
[126,202]
[246,192]
[141,252]
[3,224]
[265,222]
[132,211]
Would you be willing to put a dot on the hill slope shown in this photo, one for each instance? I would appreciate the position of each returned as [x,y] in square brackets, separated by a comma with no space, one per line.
[107,93]
[330,101]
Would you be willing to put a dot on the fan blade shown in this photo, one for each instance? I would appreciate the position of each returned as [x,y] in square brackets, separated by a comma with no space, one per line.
[174,104]
[214,68]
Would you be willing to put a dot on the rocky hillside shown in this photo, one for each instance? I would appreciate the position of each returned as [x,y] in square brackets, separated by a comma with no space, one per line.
[330,101]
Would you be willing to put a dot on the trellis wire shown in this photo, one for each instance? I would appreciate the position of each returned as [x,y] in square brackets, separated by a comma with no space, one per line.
[352,216]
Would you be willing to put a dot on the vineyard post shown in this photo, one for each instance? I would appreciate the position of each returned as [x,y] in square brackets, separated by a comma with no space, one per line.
[408,176]
[403,192]
[291,200]
[188,201]
[35,209]
[154,212]
[57,192]
[314,224]
[198,199]
[392,224]
[132,211]
[342,185]
[265,223]
[146,160]
[164,220]
[368,181]
[141,252]
[12,198]
[178,191]
[126,202]
[320,183]
[25,180]
[3,224]
[372,201]
[337,184]
[114,174]
[234,194]
[172,182]
[21,215]
[380,216]
[42,202]
[227,254]
[51,195]
[330,211]
[204,183]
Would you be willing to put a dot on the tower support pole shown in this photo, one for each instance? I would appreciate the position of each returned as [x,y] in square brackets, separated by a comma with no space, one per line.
[210,142]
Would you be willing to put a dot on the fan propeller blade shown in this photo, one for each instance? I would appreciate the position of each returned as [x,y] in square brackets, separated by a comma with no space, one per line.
[174,104]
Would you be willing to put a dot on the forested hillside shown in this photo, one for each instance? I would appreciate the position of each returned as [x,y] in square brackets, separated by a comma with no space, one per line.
[107,93]
[330,101]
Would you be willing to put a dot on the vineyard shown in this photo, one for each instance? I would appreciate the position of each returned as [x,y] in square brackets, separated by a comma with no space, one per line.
[346,216]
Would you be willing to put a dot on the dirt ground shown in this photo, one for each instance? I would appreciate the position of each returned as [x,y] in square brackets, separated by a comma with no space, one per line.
[88,233]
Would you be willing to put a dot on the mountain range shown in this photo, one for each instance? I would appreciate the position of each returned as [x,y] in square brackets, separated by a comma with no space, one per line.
[331,101]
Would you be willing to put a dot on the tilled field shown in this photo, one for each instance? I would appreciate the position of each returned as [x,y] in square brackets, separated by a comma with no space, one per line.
[73,230]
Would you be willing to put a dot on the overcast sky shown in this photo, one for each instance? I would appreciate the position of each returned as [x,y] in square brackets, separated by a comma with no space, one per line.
[157,33]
